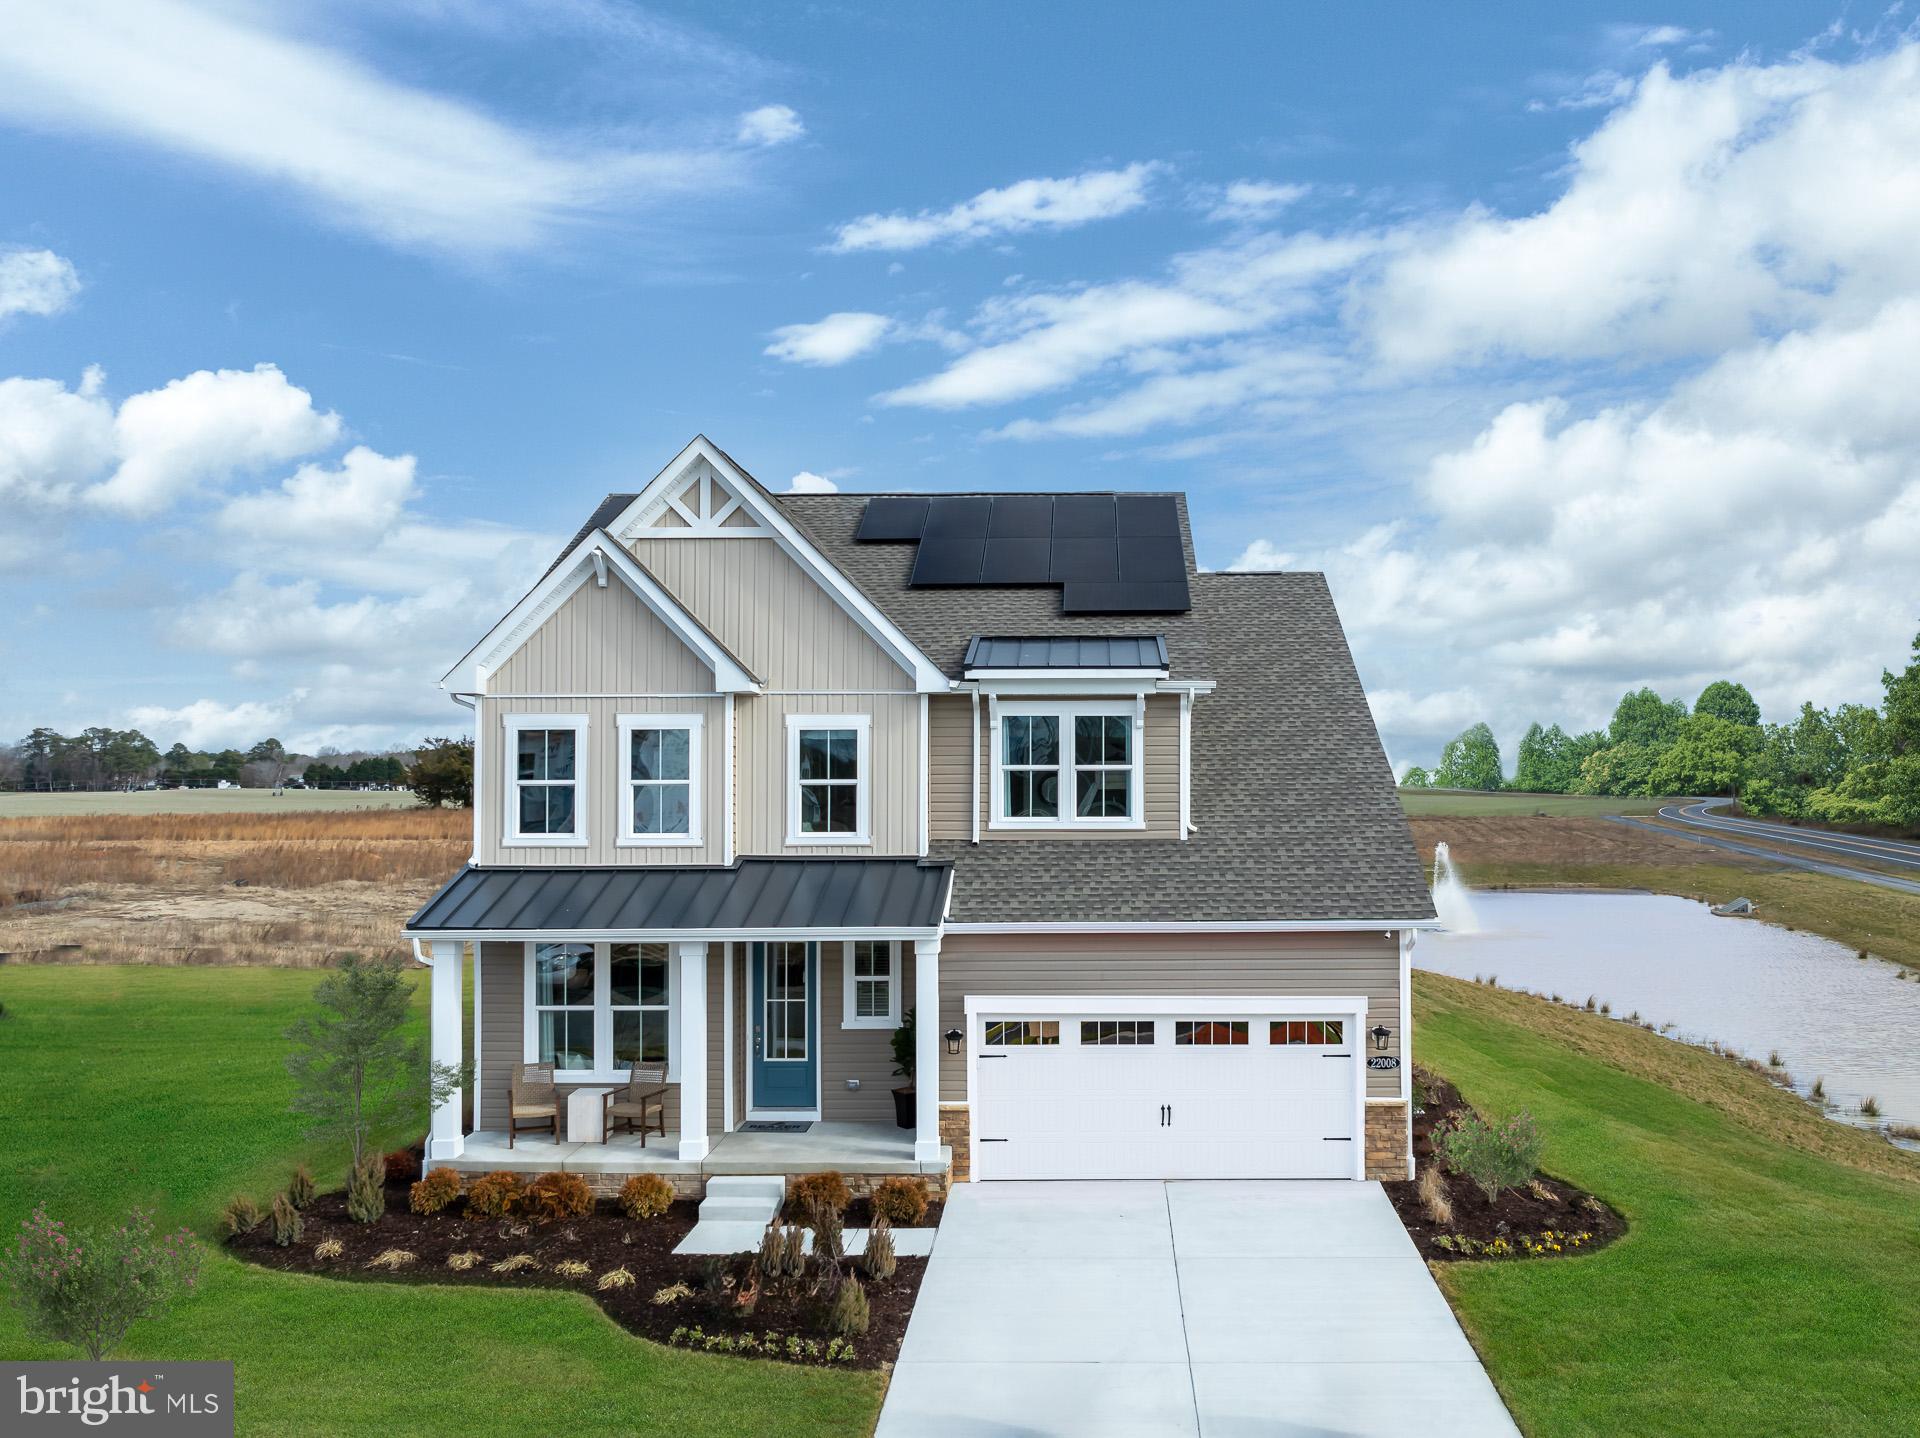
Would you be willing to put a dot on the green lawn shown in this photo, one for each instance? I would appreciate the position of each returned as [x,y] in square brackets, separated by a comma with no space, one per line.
[165,1087]
[1760,1289]
[202,801]
[1420,803]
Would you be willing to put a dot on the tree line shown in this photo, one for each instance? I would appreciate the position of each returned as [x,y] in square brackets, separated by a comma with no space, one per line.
[1855,764]
[440,771]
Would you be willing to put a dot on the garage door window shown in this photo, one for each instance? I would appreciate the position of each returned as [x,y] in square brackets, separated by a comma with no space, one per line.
[1006,1033]
[1208,1032]
[1115,1032]
[1307,1031]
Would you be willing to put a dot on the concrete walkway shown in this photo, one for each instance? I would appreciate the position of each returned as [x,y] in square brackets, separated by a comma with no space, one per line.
[1220,1309]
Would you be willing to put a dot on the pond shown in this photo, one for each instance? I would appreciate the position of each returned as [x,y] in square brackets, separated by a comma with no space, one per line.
[1749,985]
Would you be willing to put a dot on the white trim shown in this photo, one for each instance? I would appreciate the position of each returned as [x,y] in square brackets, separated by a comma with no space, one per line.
[727,818]
[1091,683]
[973,760]
[510,835]
[891,1018]
[687,977]
[1406,1035]
[540,602]
[926,1050]
[445,1139]
[862,725]
[1066,711]
[602,1011]
[1142,674]
[657,936]
[1186,764]
[479,988]
[726,1037]
[927,675]
[1223,926]
[926,783]
[695,725]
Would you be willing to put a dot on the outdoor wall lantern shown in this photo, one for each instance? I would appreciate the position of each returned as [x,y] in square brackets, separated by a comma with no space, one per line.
[1381,1033]
[953,1037]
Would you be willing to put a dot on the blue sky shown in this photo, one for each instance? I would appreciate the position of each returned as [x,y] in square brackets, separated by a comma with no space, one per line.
[1575,349]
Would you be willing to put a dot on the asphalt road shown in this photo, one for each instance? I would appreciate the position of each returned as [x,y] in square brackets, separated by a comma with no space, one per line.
[1699,817]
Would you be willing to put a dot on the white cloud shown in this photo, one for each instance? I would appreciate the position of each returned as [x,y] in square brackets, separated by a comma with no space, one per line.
[35,282]
[834,340]
[362,497]
[1264,555]
[1246,200]
[770,125]
[199,431]
[408,166]
[212,724]
[1055,204]
[807,482]
[52,440]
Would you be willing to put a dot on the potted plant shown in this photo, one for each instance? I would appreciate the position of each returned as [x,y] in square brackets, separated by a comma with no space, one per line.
[903,1114]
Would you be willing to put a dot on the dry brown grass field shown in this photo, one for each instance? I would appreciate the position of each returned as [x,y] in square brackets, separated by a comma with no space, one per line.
[295,888]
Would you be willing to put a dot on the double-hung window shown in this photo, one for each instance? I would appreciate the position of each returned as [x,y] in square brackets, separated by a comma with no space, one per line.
[660,776]
[829,778]
[546,773]
[595,1010]
[872,985]
[1066,764]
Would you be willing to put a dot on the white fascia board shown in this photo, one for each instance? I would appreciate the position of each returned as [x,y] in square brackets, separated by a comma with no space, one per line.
[592,936]
[1387,927]
[928,677]
[1195,687]
[1353,1004]
[1105,683]
[995,678]
[598,550]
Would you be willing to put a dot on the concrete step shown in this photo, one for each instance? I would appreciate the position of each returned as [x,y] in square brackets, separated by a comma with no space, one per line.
[730,1236]
[737,1210]
[763,1186]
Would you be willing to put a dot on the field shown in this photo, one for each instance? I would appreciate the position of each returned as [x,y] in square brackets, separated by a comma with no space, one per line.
[203,801]
[1421,803]
[1766,1283]
[166,1087]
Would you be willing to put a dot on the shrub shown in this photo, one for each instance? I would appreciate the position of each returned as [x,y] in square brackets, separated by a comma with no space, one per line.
[1494,1156]
[793,1251]
[366,1190]
[1433,1196]
[828,1240]
[497,1195]
[392,1259]
[434,1192]
[287,1222]
[768,1262]
[1819,1090]
[850,1313]
[901,1201]
[461,1262]
[1870,1107]
[241,1215]
[300,1188]
[878,1260]
[328,1248]
[516,1263]
[556,1196]
[672,1293]
[814,1191]
[618,1278]
[86,1287]
[400,1166]
[571,1268]
[827,1277]
[645,1195]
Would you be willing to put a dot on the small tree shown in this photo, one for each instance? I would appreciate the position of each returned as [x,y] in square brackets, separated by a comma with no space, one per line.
[1494,1156]
[87,1287]
[1471,760]
[354,1074]
[443,773]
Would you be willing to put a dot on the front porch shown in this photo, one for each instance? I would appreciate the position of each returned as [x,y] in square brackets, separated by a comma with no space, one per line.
[864,1152]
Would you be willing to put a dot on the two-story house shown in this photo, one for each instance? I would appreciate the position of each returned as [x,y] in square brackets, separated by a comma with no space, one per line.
[760,777]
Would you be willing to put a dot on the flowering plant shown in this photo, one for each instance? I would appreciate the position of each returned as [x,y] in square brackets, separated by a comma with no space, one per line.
[87,1287]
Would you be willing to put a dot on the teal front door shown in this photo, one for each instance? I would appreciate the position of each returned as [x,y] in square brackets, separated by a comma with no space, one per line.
[786,1026]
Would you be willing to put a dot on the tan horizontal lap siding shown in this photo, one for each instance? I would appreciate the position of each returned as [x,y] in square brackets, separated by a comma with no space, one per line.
[893,787]
[1182,965]
[1159,779]
[863,1054]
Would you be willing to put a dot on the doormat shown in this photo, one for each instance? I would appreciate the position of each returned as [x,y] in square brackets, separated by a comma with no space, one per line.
[781,1126]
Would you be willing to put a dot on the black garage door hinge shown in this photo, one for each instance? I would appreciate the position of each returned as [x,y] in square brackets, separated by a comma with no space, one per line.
[1343,1138]
[990,1140]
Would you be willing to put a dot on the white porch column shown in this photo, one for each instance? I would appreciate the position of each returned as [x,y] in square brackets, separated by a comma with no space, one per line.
[690,1046]
[926,1050]
[446,1018]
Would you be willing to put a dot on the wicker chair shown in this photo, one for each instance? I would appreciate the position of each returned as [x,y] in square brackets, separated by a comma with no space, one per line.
[533,1100]
[645,1094]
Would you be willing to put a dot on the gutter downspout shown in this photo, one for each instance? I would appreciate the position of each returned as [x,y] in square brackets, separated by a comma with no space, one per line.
[973,757]
[474,705]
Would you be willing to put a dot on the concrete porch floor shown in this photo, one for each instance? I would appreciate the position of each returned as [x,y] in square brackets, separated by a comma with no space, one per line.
[850,1147]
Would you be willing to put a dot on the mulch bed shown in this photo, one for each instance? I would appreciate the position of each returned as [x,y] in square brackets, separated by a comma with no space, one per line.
[605,1241]
[859,1214]
[1519,1216]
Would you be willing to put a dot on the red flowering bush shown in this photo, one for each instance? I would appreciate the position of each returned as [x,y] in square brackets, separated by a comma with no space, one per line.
[86,1286]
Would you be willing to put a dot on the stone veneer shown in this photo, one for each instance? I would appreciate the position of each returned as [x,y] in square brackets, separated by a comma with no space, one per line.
[956,1132]
[1387,1141]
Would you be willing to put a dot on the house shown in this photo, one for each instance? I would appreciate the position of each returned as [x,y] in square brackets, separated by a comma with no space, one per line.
[759,777]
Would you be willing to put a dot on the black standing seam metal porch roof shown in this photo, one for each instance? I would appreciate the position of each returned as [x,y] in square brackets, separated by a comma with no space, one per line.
[1067,651]
[760,895]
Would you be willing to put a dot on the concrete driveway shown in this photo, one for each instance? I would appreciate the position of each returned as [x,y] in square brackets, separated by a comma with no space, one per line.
[1220,1309]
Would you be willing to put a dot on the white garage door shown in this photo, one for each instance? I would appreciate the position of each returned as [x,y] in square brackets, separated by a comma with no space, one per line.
[1165,1095]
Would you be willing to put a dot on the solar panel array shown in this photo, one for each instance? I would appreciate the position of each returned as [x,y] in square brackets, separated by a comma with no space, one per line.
[1109,553]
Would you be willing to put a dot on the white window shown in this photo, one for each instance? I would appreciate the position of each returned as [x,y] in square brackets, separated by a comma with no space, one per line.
[546,778]
[660,779]
[594,1010]
[829,778]
[1061,764]
[872,984]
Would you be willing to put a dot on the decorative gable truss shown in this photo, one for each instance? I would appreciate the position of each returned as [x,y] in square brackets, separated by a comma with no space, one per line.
[597,559]
[703,494]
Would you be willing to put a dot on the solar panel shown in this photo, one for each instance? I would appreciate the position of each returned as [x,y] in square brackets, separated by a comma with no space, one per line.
[1017,561]
[1021,516]
[892,519]
[1160,597]
[1083,516]
[1143,515]
[1084,559]
[949,559]
[1154,557]
[957,514]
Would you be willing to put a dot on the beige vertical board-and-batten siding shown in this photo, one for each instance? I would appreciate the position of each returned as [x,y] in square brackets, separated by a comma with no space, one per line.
[1120,965]
[893,789]
[503,980]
